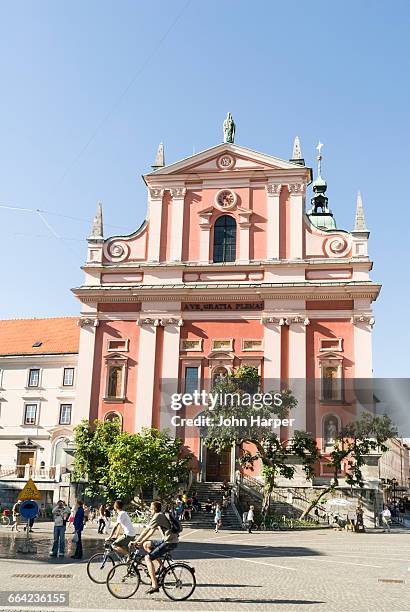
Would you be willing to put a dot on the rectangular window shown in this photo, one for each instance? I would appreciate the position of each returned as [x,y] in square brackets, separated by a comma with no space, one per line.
[30,414]
[34,377]
[68,377]
[331,384]
[65,414]
[191,379]
[115,382]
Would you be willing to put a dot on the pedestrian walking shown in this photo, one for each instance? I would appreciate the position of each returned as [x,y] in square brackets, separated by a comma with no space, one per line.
[61,512]
[78,526]
[250,518]
[386,518]
[101,519]
[16,516]
[218,518]
[108,513]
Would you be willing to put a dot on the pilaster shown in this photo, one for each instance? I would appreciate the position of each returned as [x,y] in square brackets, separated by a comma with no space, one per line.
[272,238]
[155,219]
[177,222]
[297,192]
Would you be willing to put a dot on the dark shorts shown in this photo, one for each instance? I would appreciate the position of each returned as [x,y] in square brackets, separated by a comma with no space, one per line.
[160,548]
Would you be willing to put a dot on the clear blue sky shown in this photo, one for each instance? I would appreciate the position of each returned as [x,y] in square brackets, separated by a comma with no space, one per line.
[337,71]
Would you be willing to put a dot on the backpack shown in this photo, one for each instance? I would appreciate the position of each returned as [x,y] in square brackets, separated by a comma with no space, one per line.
[176,526]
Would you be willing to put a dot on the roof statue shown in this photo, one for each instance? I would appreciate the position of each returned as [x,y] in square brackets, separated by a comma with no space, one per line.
[229,129]
[160,157]
[97,230]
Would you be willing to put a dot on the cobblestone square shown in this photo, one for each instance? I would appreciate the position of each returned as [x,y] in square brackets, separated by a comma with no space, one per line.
[287,570]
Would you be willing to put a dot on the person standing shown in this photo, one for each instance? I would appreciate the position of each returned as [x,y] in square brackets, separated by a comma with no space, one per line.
[61,512]
[79,526]
[101,519]
[386,518]
[250,518]
[107,513]
[16,516]
[218,518]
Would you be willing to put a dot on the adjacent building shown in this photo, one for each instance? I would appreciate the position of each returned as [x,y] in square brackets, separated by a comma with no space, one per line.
[38,385]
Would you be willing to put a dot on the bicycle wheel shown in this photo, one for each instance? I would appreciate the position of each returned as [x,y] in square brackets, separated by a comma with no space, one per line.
[123,580]
[99,566]
[5,521]
[179,582]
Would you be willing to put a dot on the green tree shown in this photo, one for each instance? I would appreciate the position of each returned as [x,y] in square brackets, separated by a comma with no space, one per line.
[91,460]
[118,464]
[238,396]
[148,459]
[352,445]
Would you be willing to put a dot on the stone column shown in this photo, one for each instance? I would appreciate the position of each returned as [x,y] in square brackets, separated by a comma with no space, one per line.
[297,191]
[154,228]
[146,372]
[170,369]
[297,367]
[272,239]
[177,222]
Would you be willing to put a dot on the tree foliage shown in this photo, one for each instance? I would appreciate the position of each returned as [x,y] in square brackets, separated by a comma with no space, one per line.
[121,465]
[356,441]
[352,445]
[238,397]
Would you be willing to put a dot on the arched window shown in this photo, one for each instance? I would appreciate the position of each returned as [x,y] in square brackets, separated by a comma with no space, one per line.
[224,239]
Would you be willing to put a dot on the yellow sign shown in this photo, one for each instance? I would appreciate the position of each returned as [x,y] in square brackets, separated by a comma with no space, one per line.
[30,491]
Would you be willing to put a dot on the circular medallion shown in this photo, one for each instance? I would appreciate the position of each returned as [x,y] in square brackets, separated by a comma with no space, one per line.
[226,162]
[225,199]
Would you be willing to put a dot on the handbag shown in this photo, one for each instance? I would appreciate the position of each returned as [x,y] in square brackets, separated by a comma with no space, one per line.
[74,539]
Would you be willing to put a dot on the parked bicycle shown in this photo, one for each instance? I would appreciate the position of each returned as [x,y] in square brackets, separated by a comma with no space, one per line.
[176,578]
[100,565]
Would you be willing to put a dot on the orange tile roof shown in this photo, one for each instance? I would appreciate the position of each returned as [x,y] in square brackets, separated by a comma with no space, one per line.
[57,335]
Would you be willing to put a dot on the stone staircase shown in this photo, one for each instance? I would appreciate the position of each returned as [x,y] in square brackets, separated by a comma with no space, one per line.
[203,520]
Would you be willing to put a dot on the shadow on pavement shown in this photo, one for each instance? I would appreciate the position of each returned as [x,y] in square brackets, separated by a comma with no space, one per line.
[188,551]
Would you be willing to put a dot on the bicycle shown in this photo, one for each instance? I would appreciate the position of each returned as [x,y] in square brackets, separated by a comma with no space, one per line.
[176,578]
[100,565]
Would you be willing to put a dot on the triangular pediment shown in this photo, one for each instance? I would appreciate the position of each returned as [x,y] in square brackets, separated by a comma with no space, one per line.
[212,160]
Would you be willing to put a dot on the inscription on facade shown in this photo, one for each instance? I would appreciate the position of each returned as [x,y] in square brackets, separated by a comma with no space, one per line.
[225,306]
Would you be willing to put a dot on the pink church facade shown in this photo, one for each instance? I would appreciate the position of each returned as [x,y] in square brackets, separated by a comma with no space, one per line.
[229,268]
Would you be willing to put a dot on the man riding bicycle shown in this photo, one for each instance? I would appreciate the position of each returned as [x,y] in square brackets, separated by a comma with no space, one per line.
[124,522]
[156,548]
